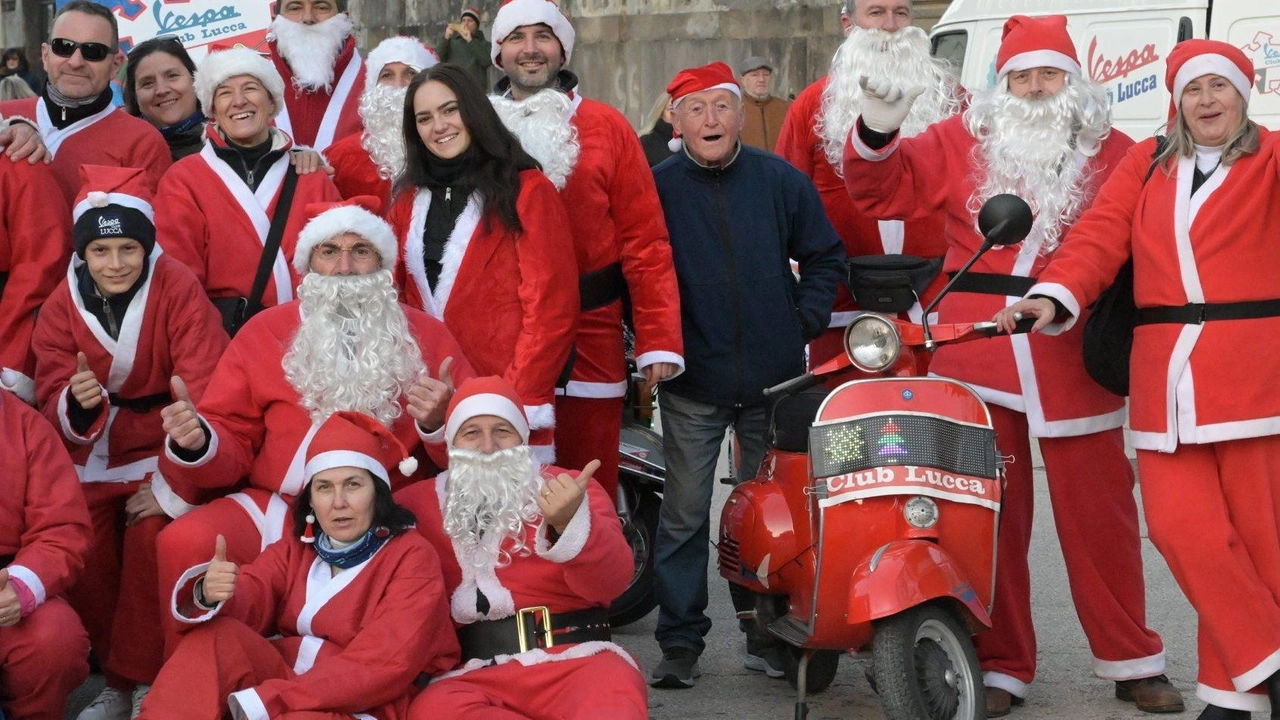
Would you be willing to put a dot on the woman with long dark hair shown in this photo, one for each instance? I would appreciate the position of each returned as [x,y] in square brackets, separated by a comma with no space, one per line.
[159,87]
[486,241]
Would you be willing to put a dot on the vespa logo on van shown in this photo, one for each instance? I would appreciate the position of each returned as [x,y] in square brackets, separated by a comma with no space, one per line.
[1105,70]
[1265,53]
[911,480]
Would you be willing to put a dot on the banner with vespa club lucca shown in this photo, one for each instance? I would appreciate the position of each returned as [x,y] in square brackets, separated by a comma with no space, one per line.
[199,24]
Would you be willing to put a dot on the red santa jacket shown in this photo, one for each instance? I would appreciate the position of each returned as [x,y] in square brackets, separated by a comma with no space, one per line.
[588,566]
[355,172]
[357,640]
[208,218]
[1190,383]
[111,137]
[170,329]
[316,118]
[509,299]
[260,429]
[44,523]
[1039,375]
[35,233]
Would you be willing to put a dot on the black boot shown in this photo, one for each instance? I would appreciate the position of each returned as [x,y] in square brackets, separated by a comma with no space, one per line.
[1213,712]
[1273,692]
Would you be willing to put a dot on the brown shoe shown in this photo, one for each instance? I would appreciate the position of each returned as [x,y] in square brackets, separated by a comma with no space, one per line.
[1152,694]
[1000,702]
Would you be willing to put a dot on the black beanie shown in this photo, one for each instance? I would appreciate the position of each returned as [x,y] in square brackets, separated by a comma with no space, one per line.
[113,221]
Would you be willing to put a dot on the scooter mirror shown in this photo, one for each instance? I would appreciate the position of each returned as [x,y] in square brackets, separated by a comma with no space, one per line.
[1005,220]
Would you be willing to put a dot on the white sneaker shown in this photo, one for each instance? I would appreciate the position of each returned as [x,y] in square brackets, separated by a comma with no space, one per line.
[111,704]
[139,694]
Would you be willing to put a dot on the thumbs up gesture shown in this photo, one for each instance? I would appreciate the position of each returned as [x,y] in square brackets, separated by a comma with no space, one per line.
[85,387]
[562,495]
[220,578]
[428,398]
[180,421]
[10,605]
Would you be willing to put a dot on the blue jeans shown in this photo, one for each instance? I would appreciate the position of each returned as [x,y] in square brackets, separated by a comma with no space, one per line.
[692,433]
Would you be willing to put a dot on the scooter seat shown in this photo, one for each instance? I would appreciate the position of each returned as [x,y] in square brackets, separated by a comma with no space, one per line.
[792,417]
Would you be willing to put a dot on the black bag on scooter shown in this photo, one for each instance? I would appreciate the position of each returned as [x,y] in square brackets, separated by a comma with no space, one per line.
[890,283]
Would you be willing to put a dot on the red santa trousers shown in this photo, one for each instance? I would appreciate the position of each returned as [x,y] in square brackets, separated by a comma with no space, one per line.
[589,429]
[598,686]
[1213,511]
[115,595]
[42,661]
[1091,491]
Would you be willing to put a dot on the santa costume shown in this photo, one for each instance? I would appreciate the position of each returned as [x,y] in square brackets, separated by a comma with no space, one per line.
[1204,423]
[620,242]
[44,534]
[1035,385]
[34,223]
[318,113]
[212,220]
[352,625]
[557,585]
[162,326]
[258,427]
[366,162]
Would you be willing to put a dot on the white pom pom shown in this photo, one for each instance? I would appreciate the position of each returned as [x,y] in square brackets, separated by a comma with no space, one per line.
[97,198]
[408,466]
[674,144]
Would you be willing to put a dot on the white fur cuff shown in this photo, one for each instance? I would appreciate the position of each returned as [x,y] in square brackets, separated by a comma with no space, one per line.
[572,540]
[541,416]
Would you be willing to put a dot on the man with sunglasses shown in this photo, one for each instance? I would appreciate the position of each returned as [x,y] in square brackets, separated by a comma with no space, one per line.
[74,113]
[313,48]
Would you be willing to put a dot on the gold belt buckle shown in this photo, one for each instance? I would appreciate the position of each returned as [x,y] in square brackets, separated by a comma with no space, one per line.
[523,634]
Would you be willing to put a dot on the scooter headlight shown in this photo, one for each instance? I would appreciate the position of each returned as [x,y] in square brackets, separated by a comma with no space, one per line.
[872,343]
[921,512]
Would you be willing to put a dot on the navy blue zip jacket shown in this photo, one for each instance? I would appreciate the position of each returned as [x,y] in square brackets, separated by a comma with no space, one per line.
[734,230]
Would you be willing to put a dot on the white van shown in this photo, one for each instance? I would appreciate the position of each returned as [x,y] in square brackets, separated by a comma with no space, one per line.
[1123,45]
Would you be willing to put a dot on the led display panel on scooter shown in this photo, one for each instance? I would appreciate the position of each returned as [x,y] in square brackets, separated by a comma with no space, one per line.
[869,441]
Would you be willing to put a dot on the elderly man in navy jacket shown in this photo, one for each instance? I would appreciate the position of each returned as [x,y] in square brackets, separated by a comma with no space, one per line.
[737,216]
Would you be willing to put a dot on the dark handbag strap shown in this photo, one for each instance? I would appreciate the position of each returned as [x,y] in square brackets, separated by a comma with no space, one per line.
[271,247]
[1199,313]
[993,284]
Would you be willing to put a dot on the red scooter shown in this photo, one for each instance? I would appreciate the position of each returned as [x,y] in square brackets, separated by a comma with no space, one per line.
[873,521]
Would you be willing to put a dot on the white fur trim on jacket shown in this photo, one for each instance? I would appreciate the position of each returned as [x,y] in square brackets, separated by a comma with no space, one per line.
[540,656]
[541,416]
[218,67]
[187,576]
[173,506]
[345,219]
[519,13]
[571,541]
[248,705]
[407,50]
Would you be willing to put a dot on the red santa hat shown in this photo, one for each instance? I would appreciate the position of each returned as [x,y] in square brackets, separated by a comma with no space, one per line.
[518,13]
[1029,42]
[113,202]
[485,396]
[353,439]
[469,11]
[716,76]
[407,50]
[222,64]
[356,215]
[1191,59]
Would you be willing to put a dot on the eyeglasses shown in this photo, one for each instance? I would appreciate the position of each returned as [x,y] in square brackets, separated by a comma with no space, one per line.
[90,51]
[359,251]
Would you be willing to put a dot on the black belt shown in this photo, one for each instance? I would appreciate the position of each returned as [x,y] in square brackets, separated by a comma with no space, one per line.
[530,628]
[993,284]
[142,405]
[1197,313]
[601,287]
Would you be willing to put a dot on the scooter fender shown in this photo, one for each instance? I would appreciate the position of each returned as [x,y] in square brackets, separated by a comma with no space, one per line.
[907,573]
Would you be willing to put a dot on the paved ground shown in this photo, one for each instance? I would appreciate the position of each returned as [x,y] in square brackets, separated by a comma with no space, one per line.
[1064,690]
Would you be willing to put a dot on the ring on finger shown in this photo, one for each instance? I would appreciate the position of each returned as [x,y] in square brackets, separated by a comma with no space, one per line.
[546,494]
[1017,316]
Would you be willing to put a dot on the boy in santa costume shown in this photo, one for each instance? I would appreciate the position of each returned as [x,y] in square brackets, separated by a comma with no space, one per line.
[113,333]
[590,152]
[44,534]
[353,601]
[313,47]
[532,557]
[1043,132]
[346,344]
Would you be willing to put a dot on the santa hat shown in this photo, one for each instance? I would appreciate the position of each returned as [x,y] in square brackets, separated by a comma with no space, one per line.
[353,439]
[485,396]
[518,13]
[1029,42]
[469,11]
[113,202]
[407,50]
[220,65]
[1191,59]
[716,76]
[356,215]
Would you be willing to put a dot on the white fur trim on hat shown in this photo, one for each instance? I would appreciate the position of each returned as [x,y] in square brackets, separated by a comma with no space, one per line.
[732,87]
[1211,64]
[519,13]
[97,199]
[407,50]
[1040,58]
[345,219]
[486,404]
[218,67]
[345,458]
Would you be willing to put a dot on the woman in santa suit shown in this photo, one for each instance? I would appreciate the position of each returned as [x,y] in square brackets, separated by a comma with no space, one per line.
[355,598]
[1198,222]
[486,242]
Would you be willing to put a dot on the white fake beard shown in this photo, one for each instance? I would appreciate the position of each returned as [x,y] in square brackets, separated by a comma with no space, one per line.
[382,110]
[1028,148]
[311,50]
[542,124]
[902,56]
[491,498]
[353,350]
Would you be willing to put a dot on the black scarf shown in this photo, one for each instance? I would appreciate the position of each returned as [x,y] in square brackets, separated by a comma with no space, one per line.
[63,115]
[450,189]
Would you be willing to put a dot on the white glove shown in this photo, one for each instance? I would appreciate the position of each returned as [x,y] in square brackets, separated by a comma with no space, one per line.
[886,104]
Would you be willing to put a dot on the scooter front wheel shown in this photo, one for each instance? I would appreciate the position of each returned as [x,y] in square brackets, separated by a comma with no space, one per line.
[926,668]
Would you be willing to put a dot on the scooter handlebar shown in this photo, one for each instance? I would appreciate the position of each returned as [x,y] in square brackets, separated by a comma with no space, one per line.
[792,386]
[990,329]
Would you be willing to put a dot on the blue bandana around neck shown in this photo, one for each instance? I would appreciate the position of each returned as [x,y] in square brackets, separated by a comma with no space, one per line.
[353,554]
[192,121]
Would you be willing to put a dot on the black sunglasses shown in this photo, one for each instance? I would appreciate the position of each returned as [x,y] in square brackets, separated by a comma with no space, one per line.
[90,51]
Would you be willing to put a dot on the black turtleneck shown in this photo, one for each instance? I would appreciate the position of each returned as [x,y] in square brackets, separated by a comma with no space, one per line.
[63,116]
[447,180]
[250,163]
